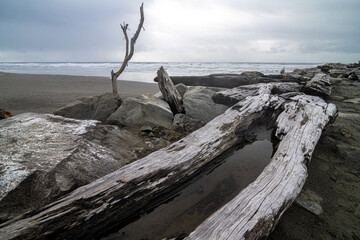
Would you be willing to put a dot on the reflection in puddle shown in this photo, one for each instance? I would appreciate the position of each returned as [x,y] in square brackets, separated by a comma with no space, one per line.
[204,194]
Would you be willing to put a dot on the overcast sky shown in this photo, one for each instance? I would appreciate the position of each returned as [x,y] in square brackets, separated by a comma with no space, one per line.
[181,30]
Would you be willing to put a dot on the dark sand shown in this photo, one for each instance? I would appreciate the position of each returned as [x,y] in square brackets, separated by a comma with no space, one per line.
[38,93]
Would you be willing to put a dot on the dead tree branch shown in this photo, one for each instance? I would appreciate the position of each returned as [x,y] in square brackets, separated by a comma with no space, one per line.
[128,55]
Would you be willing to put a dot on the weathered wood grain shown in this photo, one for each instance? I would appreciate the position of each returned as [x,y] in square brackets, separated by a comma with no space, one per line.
[92,209]
[169,92]
[254,213]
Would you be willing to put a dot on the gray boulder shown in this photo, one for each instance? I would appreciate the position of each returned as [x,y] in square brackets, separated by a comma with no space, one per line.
[43,157]
[310,201]
[187,123]
[181,88]
[144,110]
[198,104]
[95,108]
[320,85]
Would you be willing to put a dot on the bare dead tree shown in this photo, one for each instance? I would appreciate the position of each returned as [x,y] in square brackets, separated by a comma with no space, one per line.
[128,55]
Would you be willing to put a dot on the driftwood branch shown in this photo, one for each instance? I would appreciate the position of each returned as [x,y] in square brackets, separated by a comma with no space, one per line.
[169,92]
[128,55]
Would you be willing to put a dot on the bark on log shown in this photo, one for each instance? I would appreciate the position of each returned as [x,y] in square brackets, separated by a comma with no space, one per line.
[169,92]
[254,213]
[92,209]
[230,80]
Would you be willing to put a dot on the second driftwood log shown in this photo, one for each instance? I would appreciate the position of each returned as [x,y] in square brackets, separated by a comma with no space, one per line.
[255,211]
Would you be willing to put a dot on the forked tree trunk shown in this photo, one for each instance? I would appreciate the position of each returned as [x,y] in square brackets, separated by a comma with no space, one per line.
[128,55]
[169,92]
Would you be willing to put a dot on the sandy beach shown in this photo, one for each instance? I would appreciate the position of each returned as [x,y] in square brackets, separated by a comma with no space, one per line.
[39,93]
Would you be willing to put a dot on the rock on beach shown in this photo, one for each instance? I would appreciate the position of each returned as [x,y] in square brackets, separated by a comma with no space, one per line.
[45,156]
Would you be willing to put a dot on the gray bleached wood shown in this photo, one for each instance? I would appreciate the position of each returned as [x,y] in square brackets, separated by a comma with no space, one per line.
[91,209]
[231,96]
[254,212]
[169,92]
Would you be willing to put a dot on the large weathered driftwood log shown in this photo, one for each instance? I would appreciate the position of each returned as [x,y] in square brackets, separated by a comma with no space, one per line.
[92,209]
[169,92]
[231,80]
[255,211]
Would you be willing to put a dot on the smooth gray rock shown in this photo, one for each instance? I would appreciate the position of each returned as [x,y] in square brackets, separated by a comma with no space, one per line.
[310,201]
[91,108]
[145,110]
[43,157]
[198,104]
[187,123]
[181,88]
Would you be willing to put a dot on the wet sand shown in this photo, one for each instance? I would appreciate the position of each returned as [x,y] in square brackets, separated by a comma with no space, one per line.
[21,93]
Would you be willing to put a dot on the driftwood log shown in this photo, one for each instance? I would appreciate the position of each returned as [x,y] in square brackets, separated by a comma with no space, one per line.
[94,208]
[231,96]
[254,212]
[169,92]
[231,80]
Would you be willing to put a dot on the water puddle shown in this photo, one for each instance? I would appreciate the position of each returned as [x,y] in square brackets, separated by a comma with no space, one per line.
[202,195]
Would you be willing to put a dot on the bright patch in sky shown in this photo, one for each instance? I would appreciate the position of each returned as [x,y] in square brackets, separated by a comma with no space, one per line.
[181,30]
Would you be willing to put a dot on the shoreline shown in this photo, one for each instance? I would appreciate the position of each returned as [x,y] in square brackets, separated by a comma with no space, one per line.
[44,93]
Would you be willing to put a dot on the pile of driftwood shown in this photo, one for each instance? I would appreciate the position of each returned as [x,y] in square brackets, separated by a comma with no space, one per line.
[298,119]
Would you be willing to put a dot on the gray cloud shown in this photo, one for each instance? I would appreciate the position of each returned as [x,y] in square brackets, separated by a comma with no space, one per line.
[181,30]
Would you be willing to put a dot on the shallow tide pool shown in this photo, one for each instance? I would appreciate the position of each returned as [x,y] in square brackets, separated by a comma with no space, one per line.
[221,181]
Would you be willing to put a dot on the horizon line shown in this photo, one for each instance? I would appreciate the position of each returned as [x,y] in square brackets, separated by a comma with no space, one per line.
[252,62]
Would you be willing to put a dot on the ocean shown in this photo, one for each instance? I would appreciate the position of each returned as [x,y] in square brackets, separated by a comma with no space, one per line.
[146,71]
